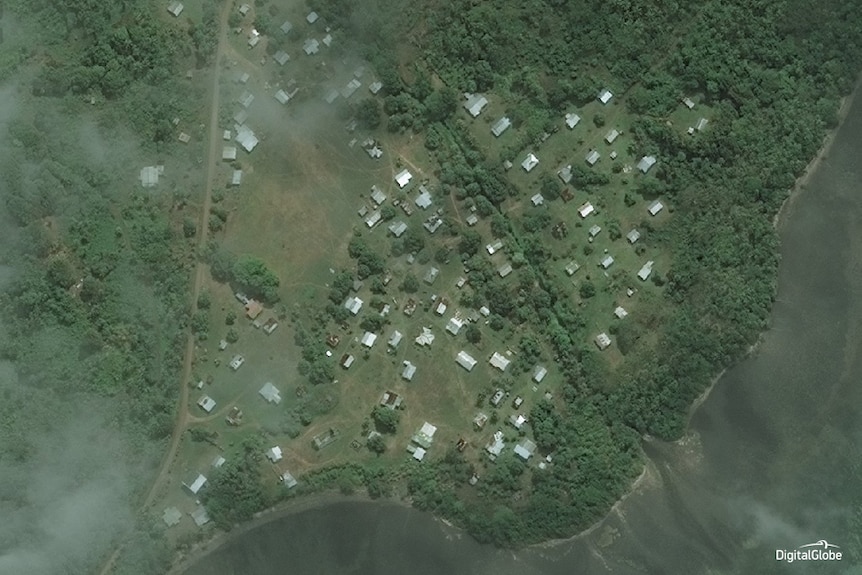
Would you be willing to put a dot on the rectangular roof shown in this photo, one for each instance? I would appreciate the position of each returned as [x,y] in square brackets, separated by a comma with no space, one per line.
[465,360]
[499,361]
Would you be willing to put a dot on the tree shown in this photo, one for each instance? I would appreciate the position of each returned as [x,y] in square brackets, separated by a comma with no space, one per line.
[385,419]
[221,264]
[474,334]
[232,336]
[368,113]
[204,300]
[376,444]
[440,105]
[253,275]
[410,284]
[587,290]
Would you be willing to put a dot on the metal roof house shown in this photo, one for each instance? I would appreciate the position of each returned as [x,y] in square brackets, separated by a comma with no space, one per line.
[409,371]
[565,173]
[377,195]
[368,339]
[270,393]
[397,228]
[454,325]
[537,199]
[353,305]
[539,373]
[611,136]
[592,157]
[312,17]
[149,176]
[607,262]
[403,178]
[646,163]
[500,126]
[525,449]
[195,484]
[572,120]
[282,97]
[499,361]
[603,341]
[395,339]
[645,271]
[633,236]
[655,207]
[207,403]
[423,200]
[465,360]
[504,269]
[586,210]
[274,454]
[475,104]
[530,162]
[175,8]
[605,96]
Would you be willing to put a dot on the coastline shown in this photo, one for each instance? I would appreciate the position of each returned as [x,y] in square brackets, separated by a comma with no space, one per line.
[215,541]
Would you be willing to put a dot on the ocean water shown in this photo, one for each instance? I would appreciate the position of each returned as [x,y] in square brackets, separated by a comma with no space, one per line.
[772,460]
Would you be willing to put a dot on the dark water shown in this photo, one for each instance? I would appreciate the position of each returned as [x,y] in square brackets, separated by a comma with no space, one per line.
[772,460]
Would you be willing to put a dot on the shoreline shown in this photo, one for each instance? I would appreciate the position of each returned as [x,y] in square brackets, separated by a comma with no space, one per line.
[184,560]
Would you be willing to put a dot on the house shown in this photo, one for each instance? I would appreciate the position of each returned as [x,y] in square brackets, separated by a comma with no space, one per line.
[606,262]
[440,309]
[207,403]
[390,399]
[484,311]
[701,124]
[150,176]
[377,195]
[311,46]
[530,162]
[425,338]
[184,138]
[368,339]
[245,99]
[409,371]
[418,453]
[646,163]
[425,436]
[688,102]
[495,247]
[375,218]
[395,339]
[253,308]
[586,210]
[539,373]
[645,271]
[500,126]
[226,135]
[572,120]
[605,96]
[175,8]
[228,153]
[465,360]
[538,200]
[499,361]
[655,207]
[245,137]
[517,402]
[517,421]
[200,516]
[288,480]
[475,104]
[286,27]
[375,87]
[462,281]
[594,231]
[274,454]
[454,325]
[431,276]
[504,269]
[572,267]
[281,57]
[397,228]
[236,179]
[347,360]
[403,178]
[496,445]
[270,393]
[244,9]
[480,420]
[331,96]
[565,173]
[218,461]
[611,136]
[592,157]
[350,88]
[312,17]
[633,236]
[497,397]
[282,97]
[472,220]
[222,345]
[525,449]
[603,341]
[423,200]
[243,79]
[241,116]
[353,305]
[374,151]
[195,483]
[236,362]
[620,312]
[171,516]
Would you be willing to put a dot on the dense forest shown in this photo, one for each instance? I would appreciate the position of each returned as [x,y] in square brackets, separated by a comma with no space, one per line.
[773,71]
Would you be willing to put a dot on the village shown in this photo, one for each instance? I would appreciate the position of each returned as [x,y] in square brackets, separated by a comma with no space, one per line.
[412,341]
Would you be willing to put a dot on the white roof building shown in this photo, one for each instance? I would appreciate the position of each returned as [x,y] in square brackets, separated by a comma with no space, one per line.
[594,231]
[350,88]
[620,312]
[218,461]
[517,421]
[539,373]
[465,360]
[353,305]
[395,339]
[565,173]
[397,228]
[245,137]
[688,102]
[236,362]
[171,516]
[572,120]
[312,17]
[244,9]
[282,97]
[207,403]
[311,46]
[419,453]
[245,99]
[525,449]
[375,87]
[288,480]
[200,516]
[572,267]
[645,271]
[495,247]
[655,207]
[373,219]
[586,210]
[270,393]
[500,126]
[496,445]
[607,262]
[701,124]
[472,220]
[423,200]
[603,341]
[454,325]
[226,136]
[530,162]
[175,8]
[633,236]
[286,27]
[236,179]
[368,339]
[403,178]
[149,176]
[425,338]
[377,195]
[274,454]
[228,153]
[475,104]
[440,309]
[409,371]
[592,157]
[611,136]
[538,199]
[605,96]
[504,269]
[195,485]
[499,361]
[646,163]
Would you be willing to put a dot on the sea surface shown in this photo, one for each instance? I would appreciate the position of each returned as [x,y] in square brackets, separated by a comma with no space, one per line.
[772,459]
